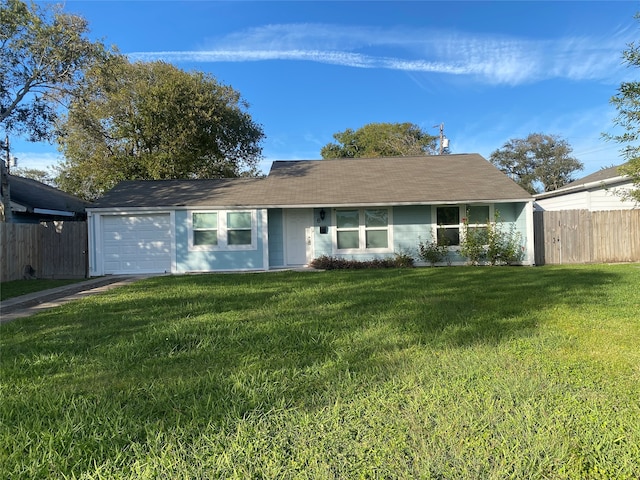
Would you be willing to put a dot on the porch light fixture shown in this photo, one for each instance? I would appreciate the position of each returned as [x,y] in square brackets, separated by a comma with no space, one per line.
[322,214]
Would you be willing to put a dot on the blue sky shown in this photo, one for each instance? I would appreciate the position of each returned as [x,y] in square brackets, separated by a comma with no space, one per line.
[490,71]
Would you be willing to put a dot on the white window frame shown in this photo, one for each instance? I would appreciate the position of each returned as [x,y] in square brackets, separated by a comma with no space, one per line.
[362,231]
[192,230]
[462,215]
[476,225]
[222,232]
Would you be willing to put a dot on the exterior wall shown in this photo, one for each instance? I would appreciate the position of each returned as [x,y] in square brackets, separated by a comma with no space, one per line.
[322,242]
[408,225]
[415,223]
[595,199]
[276,237]
[219,260]
[412,224]
[521,214]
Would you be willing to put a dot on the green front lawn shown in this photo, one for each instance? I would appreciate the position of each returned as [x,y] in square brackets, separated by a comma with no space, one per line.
[481,373]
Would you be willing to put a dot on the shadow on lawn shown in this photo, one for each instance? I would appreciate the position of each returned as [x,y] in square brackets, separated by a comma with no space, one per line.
[212,348]
[291,318]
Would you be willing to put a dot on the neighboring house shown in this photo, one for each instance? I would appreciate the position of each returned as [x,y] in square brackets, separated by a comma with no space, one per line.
[605,189]
[351,208]
[35,202]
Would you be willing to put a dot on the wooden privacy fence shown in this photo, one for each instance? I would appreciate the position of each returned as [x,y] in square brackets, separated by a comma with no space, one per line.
[52,249]
[581,236]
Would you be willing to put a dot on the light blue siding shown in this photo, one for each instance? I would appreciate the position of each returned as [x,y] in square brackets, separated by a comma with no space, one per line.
[276,237]
[223,260]
[515,214]
[322,242]
[411,225]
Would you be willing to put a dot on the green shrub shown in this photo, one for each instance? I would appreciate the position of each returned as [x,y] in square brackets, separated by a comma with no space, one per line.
[491,243]
[473,244]
[326,262]
[505,248]
[432,252]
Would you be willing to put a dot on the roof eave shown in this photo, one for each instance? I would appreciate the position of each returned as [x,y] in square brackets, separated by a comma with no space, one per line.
[582,187]
[166,208]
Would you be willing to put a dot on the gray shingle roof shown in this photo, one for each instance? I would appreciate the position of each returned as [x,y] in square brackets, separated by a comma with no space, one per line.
[400,180]
[599,176]
[227,192]
[607,176]
[33,194]
[372,181]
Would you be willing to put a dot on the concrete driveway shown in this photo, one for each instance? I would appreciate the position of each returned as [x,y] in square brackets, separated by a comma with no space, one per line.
[26,305]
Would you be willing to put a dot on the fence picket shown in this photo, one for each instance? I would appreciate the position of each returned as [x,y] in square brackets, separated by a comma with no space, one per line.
[581,236]
[53,249]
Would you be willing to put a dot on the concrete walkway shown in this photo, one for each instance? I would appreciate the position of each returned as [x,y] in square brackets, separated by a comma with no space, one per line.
[26,305]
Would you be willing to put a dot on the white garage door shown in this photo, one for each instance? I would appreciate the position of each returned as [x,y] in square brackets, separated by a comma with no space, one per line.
[136,244]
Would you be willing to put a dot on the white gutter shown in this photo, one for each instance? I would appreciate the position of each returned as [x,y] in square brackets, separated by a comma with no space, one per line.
[583,186]
[301,205]
[61,213]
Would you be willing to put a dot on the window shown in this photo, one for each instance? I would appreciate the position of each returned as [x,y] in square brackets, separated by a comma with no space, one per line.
[375,223]
[238,228]
[231,230]
[348,229]
[448,221]
[478,218]
[205,228]
[362,229]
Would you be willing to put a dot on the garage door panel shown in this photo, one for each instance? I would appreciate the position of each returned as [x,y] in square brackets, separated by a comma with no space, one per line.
[136,243]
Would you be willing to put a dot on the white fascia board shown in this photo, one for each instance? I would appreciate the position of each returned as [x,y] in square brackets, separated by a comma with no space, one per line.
[46,211]
[164,209]
[582,187]
[397,204]
[128,210]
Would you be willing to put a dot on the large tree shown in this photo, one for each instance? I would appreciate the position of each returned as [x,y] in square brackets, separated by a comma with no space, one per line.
[381,140]
[627,103]
[538,162]
[42,54]
[152,121]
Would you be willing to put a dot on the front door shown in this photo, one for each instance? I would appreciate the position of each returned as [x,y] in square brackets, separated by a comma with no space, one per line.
[298,228]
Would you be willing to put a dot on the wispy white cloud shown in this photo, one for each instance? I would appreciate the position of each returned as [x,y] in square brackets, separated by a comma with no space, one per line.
[36,160]
[493,59]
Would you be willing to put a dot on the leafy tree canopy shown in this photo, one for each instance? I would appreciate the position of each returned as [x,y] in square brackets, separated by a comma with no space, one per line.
[153,121]
[42,52]
[627,103]
[43,176]
[538,160]
[381,140]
